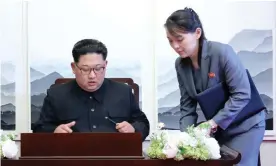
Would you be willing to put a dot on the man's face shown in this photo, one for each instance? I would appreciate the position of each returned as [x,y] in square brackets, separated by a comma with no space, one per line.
[90,71]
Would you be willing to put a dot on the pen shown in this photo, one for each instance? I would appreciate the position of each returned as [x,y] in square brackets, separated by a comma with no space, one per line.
[110,120]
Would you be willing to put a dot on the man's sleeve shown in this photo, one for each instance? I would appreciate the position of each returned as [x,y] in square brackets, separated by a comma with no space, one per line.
[47,119]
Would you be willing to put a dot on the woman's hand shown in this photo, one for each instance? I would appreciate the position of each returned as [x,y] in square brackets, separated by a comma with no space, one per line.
[211,125]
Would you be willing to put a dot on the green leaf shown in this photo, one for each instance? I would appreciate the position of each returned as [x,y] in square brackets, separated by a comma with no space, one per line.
[204,125]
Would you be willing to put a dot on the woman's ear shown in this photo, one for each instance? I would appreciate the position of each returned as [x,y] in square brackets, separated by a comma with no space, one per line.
[198,33]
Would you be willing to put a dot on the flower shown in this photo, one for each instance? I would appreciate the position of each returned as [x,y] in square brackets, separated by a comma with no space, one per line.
[213,147]
[193,144]
[160,125]
[8,147]
[170,149]
[201,133]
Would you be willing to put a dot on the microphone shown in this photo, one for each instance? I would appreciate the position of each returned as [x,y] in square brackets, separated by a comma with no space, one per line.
[112,121]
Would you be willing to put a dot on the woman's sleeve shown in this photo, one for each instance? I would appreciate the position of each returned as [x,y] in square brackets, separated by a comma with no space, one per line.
[239,87]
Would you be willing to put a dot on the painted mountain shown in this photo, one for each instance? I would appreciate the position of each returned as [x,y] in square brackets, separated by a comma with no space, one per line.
[8,73]
[40,82]
[8,108]
[256,55]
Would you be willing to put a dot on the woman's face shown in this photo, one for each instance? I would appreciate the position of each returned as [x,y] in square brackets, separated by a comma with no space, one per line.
[184,43]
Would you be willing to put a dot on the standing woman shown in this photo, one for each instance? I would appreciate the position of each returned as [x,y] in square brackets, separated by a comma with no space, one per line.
[202,64]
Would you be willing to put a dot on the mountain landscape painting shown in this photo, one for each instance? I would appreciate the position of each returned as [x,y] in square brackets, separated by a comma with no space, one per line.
[8,93]
[10,46]
[7,96]
[255,49]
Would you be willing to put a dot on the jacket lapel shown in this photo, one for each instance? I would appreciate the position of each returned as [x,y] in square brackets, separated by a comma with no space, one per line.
[205,68]
[205,65]
[188,77]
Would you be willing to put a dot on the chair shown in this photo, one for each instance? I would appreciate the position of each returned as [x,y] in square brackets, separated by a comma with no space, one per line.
[129,81]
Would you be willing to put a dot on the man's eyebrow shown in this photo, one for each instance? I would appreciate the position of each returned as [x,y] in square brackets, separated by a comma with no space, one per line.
[85,65]
[90,66]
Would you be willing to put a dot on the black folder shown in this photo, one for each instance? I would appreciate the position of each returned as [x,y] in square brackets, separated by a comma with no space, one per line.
[213,100]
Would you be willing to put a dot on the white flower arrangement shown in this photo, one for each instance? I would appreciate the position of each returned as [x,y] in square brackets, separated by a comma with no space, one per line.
[193,144]
[8,147]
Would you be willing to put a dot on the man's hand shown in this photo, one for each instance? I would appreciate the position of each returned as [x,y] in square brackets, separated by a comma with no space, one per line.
[125,127]
[65,128]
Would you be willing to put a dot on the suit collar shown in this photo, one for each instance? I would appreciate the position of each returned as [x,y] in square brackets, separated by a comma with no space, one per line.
[205,64]
[98,95]
[204,69]
[204,50]
[186,65]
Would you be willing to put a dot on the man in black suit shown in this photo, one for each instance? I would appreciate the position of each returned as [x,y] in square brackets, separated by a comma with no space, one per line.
[91,103]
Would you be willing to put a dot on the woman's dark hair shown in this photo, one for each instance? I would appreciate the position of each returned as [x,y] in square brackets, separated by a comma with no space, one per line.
[185,20]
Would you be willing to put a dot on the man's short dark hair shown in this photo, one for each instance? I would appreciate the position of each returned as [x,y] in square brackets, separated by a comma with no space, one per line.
[86,46]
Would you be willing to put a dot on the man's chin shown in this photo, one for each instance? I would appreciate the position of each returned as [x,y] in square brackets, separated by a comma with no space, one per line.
[91,88]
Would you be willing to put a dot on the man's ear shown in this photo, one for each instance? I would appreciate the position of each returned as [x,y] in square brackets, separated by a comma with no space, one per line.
[73,66]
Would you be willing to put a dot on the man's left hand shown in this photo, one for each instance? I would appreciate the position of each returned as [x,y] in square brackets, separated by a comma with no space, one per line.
[125,127]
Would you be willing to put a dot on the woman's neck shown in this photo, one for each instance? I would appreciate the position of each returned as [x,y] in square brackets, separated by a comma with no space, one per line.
[194,58]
